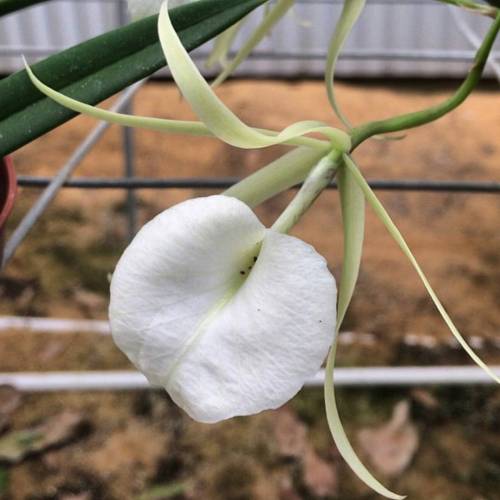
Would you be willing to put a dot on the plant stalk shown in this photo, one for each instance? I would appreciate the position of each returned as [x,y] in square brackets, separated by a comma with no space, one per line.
[415,119]
[317,180]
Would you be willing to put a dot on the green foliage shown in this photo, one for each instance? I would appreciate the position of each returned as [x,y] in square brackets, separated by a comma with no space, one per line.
[100,67]
[4,480]
[161,492]
[8,6]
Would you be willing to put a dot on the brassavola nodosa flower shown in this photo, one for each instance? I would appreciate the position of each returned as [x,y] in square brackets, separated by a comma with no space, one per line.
[230,317]
[219,121]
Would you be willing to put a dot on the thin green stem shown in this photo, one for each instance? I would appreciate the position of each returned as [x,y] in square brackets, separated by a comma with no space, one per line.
[281,174]
[411,120]
[317,180]
[478,8]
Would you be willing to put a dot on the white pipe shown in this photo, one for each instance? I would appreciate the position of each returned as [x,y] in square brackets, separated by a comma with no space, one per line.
[344,377]
[69,326]
[54,325]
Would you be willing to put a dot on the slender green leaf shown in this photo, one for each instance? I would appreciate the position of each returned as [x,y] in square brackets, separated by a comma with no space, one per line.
[96,69]
[4,480]
[350,13]
[82,60]
[161,492]
[353,219]
[385,218]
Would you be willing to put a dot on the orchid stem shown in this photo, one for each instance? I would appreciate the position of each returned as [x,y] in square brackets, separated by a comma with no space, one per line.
[318,179]
[282,174]
[471,6]
[411,120]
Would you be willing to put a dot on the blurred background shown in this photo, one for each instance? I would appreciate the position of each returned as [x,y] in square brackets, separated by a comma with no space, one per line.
[115,439]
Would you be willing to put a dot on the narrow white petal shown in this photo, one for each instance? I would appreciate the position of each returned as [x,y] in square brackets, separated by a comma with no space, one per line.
[351,11]
[352,202]
[392,229]
[353,218]
[159,124]
[270,19]
[221,121]
[222,343]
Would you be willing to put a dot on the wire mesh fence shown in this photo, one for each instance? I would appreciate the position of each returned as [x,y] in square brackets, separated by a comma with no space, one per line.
[398,37]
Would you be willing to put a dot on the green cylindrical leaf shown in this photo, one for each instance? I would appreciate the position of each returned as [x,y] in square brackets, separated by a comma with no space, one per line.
[100,67]
[8,6]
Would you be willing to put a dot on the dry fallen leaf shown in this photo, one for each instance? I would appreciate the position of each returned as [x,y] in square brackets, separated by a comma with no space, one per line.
[286,489]
[89,302]
[10,399]
[425,398]
[391,446]
[51,350]
[318,475]
[86,495]
[54,431]
[290,433]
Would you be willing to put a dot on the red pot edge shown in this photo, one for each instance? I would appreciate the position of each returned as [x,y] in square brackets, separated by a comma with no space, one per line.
[5,211]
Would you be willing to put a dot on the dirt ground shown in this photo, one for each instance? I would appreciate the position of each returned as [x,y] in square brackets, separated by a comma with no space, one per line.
[139,445]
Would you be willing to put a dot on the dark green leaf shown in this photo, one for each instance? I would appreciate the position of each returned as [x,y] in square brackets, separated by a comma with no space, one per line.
[8,6]
[162,492]
[4,480]
[100,67]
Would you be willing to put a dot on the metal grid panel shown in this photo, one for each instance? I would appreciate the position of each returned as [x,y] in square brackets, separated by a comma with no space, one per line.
[392,38]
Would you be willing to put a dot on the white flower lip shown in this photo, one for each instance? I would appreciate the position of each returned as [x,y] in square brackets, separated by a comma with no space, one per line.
[230,317]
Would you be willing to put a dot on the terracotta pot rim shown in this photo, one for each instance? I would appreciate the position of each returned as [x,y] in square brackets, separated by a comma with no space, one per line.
[10,175]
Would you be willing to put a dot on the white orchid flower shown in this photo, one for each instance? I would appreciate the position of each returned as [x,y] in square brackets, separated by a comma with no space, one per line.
[187,296]
[230,317]
[208,390]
